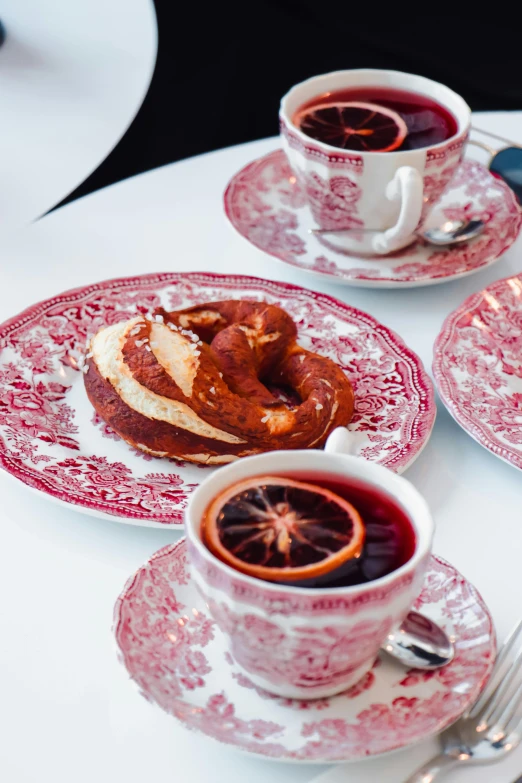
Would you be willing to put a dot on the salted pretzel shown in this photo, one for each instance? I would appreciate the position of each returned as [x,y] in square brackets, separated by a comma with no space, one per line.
[194,384]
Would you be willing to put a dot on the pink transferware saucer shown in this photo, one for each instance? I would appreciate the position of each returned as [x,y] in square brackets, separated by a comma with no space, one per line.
[178,658]
[478,367]
[266,205]
[51,439]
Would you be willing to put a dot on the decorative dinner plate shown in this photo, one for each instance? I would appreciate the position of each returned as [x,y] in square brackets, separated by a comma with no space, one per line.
[478,367]
[179,660]
[266,205]
[51,439]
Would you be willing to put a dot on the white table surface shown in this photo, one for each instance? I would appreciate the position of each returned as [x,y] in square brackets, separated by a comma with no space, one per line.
[73,74]
[67,710]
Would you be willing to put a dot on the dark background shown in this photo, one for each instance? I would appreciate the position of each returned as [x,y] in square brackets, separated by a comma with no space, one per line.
[222,69]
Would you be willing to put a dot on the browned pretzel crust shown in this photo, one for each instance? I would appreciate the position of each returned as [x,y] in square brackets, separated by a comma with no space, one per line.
[190,384]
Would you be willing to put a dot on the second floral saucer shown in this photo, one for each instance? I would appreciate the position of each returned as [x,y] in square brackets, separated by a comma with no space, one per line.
[179,660]
[266,205]
[477,367]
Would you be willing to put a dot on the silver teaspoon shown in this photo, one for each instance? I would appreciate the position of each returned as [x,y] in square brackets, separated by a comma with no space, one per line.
[452,232]
[419,643]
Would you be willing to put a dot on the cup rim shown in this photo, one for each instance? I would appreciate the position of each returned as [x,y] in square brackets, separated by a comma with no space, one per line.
[307,140]
[423,536]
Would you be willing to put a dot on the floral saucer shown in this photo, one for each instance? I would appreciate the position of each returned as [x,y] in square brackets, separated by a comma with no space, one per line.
[478,367]
[266,205]
[51,440]
[179,660]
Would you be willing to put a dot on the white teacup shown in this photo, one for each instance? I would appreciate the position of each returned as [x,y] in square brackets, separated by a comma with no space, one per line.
[307,642]
[386,193]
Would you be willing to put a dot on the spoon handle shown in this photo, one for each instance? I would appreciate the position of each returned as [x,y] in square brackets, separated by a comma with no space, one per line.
[320,231]
[432,769]
[344,230]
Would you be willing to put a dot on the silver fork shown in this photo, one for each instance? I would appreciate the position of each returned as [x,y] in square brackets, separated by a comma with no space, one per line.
[490,729]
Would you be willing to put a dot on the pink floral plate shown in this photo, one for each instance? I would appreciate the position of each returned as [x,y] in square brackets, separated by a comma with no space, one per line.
[51,440]
[478,367]
[179,660]
[266,205]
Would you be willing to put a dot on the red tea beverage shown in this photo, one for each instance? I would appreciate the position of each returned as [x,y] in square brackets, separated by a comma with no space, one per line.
[375,119]
[309,530]
[389,534]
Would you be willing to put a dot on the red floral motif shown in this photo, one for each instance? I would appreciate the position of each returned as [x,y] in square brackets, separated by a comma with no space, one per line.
[333,201]
[390,722]
[176,657]
[364,684]
[276,232]
[273,230]
[322,264]
[478,367]
[434,185]
[181,638]
[258,204]
[218,719]
[296,704]
[112,484]
[38,355]
[50,440]
[33,410]
[309,657]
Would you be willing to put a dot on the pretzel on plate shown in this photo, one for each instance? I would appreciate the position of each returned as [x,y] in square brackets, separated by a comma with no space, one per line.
[194,384]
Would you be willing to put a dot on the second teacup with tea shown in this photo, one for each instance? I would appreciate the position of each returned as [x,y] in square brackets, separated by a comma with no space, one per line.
[307,561]
[373,151]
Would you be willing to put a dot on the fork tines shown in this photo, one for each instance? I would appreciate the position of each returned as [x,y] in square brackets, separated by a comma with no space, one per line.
[501,700]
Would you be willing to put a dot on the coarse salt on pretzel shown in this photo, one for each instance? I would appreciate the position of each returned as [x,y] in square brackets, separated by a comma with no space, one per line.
[190,384]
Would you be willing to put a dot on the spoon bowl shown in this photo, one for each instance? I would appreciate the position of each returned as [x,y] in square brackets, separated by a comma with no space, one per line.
[453,232]
[419,643]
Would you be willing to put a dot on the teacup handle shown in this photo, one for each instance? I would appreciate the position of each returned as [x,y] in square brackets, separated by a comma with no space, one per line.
[406,187]
[340,441]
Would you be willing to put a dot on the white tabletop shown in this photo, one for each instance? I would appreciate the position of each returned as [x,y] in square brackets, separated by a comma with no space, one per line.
[68,711]
[73,74]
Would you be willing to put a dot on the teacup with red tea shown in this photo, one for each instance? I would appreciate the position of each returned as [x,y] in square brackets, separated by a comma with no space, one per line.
[320,551]
[373,150]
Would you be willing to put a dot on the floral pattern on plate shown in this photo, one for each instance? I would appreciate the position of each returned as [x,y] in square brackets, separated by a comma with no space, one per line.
[178,659]
[50,440]
[478,367]
[267,206]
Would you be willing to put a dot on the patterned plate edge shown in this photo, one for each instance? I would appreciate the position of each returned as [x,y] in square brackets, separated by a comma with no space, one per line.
[443,384]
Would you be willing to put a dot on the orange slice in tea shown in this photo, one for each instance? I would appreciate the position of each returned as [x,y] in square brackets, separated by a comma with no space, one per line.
[365,127]
[282,530]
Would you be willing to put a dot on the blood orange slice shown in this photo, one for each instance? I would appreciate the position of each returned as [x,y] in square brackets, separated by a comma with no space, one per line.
[365,127]
[282,530]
